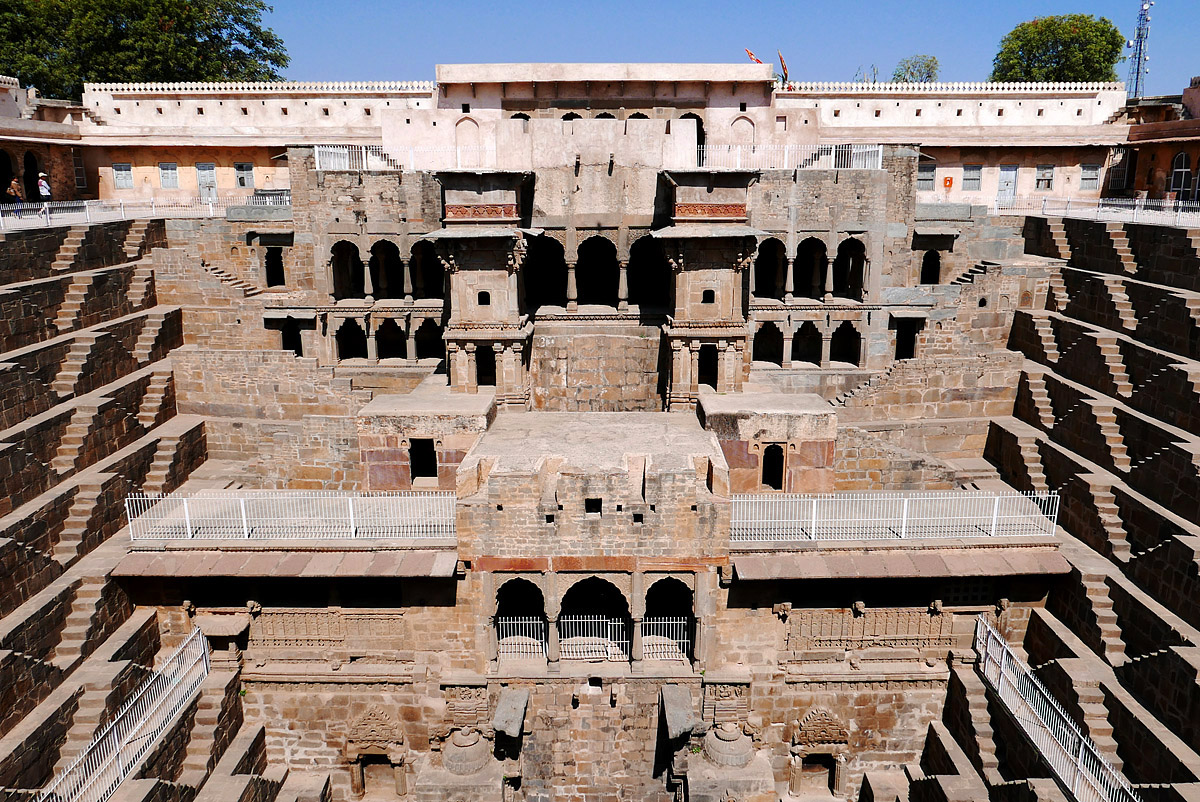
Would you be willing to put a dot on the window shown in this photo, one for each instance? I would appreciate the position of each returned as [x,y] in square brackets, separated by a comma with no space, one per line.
[466,108]
[1120,170]
[1045,178]
[876,112]
[1181,175]
[999,112]
[200,111]
[972,177]
[168,175]
[1090,177]
[708,297]
[245,111]
[485,298]
[283,111]
[918,113]
[366,112]
[422,458]
[926,173]
[245,175]
[325,112]
[123,176]
[958,113]
[741,107]
[1040,111]
[837,112]
[593,506]
[80,172]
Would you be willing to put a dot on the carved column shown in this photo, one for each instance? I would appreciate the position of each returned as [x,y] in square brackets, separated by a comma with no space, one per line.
[493,648]
[694,374]
[788,338]
[623,286]
[357,786]
[469,382]
[572,291]
[677,385]
[828,279]
[368,290]
[372,348]
[789,289]
[553,606]
[412,333]
[825,340]
[408,288]
[514,300]
[638,608]
[723,366]
[501,361]
[739,364]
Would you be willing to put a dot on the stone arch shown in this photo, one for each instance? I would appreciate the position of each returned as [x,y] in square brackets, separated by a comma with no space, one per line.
[742,131]
[570,115]
[428,275]
[29,176]
[429,342]
[594,622]
[806,344]
[466,133]
[375,740]
[519,596]
[846,344]
[668,626]
[1181,176]
[594,595]
[351,340]
[391,341]
[485,365]
[387,271]
[849,269]
[811,267]
[544,274]
[769,269]
[6,172]
[708,366]
[669,595]
[651,281]
[772,465]
[768,344]
[604,115]
[700,137]
[347,270]
[597,274]
[637,115]
[520,620]
[520,115]
[931,268]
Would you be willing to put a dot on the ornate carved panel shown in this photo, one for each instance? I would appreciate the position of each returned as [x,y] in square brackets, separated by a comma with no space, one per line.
[375,732]
[887,628]
[326,629]
[820,728]
[711,210]
[481,211]
[726,702]
[467,705]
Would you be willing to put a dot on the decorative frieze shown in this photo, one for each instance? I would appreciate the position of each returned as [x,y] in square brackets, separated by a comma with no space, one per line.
[811,630]
[481,211]
[326,629]
[711,211]
[726,703]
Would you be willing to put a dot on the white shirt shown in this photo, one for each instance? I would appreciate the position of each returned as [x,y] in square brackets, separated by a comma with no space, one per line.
[43,187]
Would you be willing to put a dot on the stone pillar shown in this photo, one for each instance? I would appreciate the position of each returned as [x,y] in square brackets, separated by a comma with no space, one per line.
[412,331]
[825,340]
[635,653]
[828,280]
[408,288]
[552,643]
[722,367]
[788,337]
[514,300]
[469,382]
[739,364]
[372,348]
[694,374]
[789,289]
[518,363]
[493,648]
[501,358]
[839,773]
[623,286]
[676,372]
[753,280]
[368,290]
[357,786]
[572,291]
[638,608]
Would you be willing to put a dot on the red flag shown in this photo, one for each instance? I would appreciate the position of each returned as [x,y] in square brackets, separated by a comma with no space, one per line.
[753,57]
[783,64]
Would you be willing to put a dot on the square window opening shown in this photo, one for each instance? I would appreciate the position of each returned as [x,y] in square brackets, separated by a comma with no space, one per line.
[422,458]
[593,506]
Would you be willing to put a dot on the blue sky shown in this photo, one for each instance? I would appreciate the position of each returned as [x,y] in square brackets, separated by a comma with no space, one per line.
[826,40]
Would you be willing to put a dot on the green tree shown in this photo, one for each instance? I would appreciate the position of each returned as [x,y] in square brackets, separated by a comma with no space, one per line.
[919,69]
[1071,47]
[58,45]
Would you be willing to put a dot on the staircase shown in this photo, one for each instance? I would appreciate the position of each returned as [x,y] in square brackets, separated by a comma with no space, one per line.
[1032,457]
[75,436]
[160,469]
[1059,295]
[144,348]
[247,289]
[1036,384]
[975,694]
[1045,332]
[78,624]
[969,276]
[1107,344]
[1109,514]
[1120,244]
[135,240]
[201,755]
[139,285]
[1097,593]
[1121,302]
[1114,442]
[75,529]
[72,305]
[69,250]
[152,400]
[1095,720]
[1058,233]
[72,367]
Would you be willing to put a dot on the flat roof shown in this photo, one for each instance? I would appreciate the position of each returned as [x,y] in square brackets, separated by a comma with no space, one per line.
[715,403]
[595,441]
[577,72]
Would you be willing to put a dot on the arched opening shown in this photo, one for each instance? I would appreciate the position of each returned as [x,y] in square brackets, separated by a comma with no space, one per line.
[812,264]
[6,175]
[289,337]
[769,270]
[273,266]
[429,340]
[390,341]
[1181,176]
[597,273]
[708,297]
[594,622]
[604,115]
[570,115]
[849,269]
[768,344]
[931,268]
[520,620]
[651,282]
[351,341]
[742,131]
[428,276]
[544,274]
[347,270]
[700,141]
[30,177]
[387,271]
[637,115]
[485,365]
[667,628]
[806,344]
[708,366]
[846,344]
[772,466]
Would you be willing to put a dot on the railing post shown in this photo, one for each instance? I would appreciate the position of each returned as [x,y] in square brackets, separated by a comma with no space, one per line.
[245,523]
[187,519]
[122,210]
[995,514]
[904,519]
[814,519]
[350,507]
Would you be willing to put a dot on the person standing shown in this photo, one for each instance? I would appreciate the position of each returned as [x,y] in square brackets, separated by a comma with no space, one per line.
[44,187]
[13,193]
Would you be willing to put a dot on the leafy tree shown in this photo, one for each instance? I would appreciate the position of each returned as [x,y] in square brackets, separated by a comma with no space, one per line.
[919,69]
[1071,47]
[58,45]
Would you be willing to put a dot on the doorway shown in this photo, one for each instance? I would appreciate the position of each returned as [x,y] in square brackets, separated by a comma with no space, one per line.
[206,181]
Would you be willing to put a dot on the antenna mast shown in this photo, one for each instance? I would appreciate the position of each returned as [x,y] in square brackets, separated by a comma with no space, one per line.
[1140,45]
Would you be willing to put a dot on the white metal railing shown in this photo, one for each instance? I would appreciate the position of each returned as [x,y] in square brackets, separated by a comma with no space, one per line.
[279,514]
[791,157]
[1071,755]
[16,216]
[890,516]
[1155,211]
[942,88]
[375,158]
[242,87]
[520,636]
[593,638]
[115,751]
[667,638]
